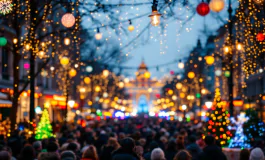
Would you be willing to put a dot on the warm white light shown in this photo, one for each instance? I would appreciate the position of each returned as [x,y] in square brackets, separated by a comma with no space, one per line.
[71,103]
[105,94]
[15,40]
[239,46]
[150,90]
[121,84]
[174,97]
[218,72]
[67,41]
[105,73]
[208,104]
[89,69]
[181,65]
[131,28]
[76,65]
[52,68]
[98,36]
[217,5]
[41,54]
[126,80]
[184,107]
[226,49]
[260,70]
[82,90]
[155,18]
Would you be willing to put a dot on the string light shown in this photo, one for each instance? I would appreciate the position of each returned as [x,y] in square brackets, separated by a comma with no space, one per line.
[155,16]
[98,35]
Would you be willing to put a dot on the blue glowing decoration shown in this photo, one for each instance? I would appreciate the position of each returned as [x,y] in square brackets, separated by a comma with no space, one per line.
[240,140]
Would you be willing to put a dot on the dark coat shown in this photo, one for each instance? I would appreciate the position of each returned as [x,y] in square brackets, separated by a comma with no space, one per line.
[106,152]
[120,154]
[170,154]
[194,150]
[212,152]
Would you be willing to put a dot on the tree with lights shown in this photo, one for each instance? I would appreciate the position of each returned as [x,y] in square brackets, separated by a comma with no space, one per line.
[44,129]
[254,128]
[218,121]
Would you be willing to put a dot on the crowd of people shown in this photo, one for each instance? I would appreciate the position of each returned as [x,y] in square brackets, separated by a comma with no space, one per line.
[130,139]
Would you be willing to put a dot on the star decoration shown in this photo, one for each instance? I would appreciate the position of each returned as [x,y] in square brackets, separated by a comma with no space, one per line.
[5,6]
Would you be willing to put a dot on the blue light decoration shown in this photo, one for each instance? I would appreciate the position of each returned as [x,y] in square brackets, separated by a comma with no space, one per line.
[240,140]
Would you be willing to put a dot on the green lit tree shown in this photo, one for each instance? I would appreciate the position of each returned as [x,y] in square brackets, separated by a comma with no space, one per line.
[44,129]
[218,121]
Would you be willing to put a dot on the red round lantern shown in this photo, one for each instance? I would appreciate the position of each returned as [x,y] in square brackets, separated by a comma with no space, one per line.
[171,72]
[260,37]
[203,9]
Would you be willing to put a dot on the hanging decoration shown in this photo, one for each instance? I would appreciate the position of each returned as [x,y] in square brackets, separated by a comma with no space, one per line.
[3,41]
[68,20]
[260,37]
[258,1]
[130,27]
[155,16]
[5,6]
[98,35]
[209,60]
[191,75]
[217,5]
[203,9]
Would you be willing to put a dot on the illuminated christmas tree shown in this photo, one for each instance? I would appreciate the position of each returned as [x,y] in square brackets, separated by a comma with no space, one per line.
[44,129]
[218,121]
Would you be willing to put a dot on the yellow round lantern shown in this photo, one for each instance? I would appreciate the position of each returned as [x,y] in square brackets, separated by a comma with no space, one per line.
[131,28]
[170,92]
[217,5]
[191,75]
[68,20]
[64,61]
[178,85]
[97,89]
[182,95]
[209,60]
[147,75]
[121,84]
[87,80]
[72,72]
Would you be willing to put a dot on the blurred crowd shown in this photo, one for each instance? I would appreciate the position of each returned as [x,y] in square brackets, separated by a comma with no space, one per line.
[130,139]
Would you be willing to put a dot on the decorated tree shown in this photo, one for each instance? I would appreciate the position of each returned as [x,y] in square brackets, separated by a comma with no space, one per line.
[44,129]
[218,121]
[254,127]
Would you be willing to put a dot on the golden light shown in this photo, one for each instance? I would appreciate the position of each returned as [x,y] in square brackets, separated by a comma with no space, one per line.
[15,40]
[203,91]
[150,90]
[87,80]
[72,72]
[258,1]
[174,97]
[170,92]
[121,84]
[64,61]
[131,28]
[67,41]
[105,73]
[191,75]
[68,20]
[217,5]
[27,46]
[97,89]
[155,18]
[179,85]
[184,107]
[227,49]
[98,36]
[82,90]
[41,54]
[44,73]
[147,75]
[239,46]
[209,60]
[182,95]
[238,103]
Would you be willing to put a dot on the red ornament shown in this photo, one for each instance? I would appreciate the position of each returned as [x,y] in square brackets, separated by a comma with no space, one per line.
[260,37]
[172,72]
[203,9]
[157,95]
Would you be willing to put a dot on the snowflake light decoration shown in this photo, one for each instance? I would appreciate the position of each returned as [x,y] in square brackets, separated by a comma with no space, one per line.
[5,6]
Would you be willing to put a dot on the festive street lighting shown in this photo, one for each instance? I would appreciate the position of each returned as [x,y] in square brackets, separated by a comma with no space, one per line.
[208,104]
[87,80]
[98,35]
[178,85]
[15,40]
[64,61]
[71,103]
[105,73]
[239,46]
[89,69]
[121,84]
[72,72]
[217,5]
[209,60]
[191,75]
[67,41]
[155,16]
[68,20]
[41,54]
[97,89]
[181,65]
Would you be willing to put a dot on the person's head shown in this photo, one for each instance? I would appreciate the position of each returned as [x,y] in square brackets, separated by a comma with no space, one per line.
[128,144]
[4,155]
[113,142]
[52,147]
[244,154]
[72,147]
[209,140]
[158,154]
[27,152]
[153,145]
[49,156]
[192,139]
[68,155]
[37,146]
[90,153]
[139,150]
[256,154]
[172,145]
[183,155]
[89,140]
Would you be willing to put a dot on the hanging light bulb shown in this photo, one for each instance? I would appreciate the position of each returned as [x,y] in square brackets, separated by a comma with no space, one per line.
[98,35]
[239,46]
[130,27]
[15,40]
[181,64]
[68,20]
[155,16]
[67,41]
[105,73]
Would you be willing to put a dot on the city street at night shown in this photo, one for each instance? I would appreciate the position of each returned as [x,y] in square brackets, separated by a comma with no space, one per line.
[132,80]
